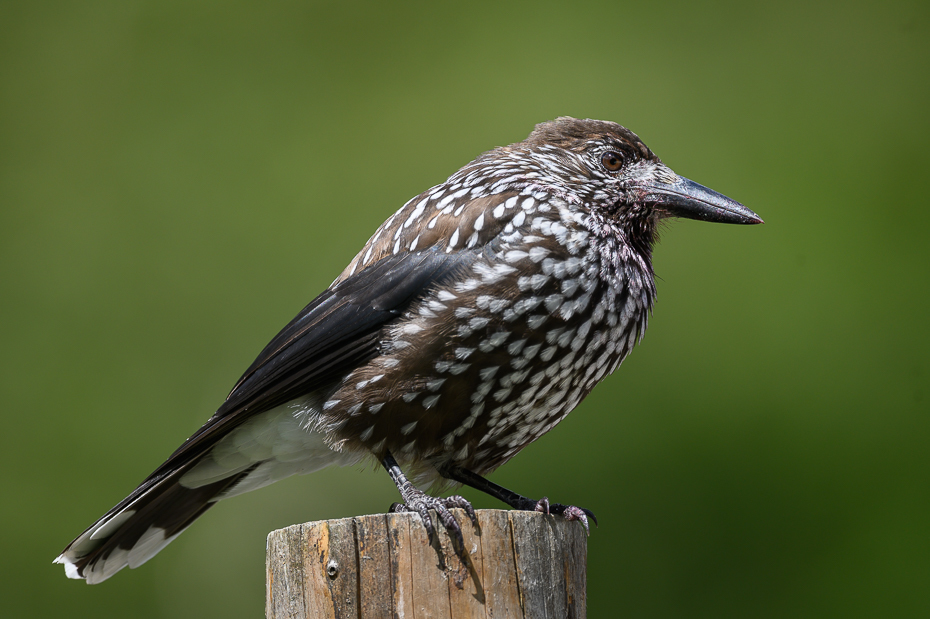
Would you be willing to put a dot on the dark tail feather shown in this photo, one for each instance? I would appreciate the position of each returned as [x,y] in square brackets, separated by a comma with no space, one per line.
[141,525]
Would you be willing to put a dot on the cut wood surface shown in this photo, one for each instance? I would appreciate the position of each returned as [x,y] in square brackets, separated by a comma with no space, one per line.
[520,564]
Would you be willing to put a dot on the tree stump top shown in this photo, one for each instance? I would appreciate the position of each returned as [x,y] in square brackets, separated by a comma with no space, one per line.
[520,564]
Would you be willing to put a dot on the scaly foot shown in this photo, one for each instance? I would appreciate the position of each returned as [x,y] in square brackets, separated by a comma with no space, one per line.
[416,500]
[570,512]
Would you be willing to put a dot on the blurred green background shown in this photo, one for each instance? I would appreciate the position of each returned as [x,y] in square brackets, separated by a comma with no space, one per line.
[178,179]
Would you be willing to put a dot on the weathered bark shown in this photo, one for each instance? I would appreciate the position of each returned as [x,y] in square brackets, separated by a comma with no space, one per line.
[521,564]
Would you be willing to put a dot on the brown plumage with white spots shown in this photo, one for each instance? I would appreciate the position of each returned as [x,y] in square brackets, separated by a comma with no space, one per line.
[473,321]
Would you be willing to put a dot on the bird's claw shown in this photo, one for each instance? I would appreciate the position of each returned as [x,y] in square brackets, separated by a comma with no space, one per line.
[569,512]
[421,503]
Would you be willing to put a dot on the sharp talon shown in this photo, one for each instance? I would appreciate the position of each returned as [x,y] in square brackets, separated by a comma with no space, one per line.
[428,525]
[590,515]
[463,504]
[569,512]
[430,533]
[452,528]
[574,513]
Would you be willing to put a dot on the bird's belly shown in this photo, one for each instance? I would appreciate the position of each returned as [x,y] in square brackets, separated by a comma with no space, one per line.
[482,393]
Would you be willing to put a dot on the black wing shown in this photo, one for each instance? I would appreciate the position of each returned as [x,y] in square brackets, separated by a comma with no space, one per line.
[337,331]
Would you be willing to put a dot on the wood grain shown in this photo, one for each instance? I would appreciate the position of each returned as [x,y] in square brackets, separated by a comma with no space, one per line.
[519,564]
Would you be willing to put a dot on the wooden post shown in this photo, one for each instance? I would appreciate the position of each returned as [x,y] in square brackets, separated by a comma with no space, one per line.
[521,565]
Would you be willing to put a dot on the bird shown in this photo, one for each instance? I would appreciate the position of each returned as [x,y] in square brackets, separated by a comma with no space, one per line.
[474,319]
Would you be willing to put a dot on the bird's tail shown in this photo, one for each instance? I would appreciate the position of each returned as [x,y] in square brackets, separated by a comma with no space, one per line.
[140,525]
[269,447]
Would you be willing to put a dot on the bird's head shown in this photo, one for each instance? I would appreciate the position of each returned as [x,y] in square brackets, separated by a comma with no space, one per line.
[605,166]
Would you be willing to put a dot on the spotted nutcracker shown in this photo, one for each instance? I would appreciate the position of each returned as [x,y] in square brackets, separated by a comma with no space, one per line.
[472,322]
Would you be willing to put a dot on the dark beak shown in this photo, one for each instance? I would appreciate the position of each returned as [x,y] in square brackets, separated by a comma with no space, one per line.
[688,199]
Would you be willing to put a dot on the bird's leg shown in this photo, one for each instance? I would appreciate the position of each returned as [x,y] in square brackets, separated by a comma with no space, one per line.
[415,500]
[517,501]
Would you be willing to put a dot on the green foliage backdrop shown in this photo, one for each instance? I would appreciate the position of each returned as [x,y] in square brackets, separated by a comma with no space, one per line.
[177,179]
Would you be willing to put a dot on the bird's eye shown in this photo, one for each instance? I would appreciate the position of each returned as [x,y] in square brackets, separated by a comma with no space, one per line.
[611,160]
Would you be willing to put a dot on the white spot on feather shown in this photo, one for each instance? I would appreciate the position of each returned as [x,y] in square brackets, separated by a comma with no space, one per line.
[410,328]
[430,401]
[435,384]
[453,240]
[488,373]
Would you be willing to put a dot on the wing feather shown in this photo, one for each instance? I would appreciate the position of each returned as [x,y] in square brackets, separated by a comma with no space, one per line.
[334,333]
